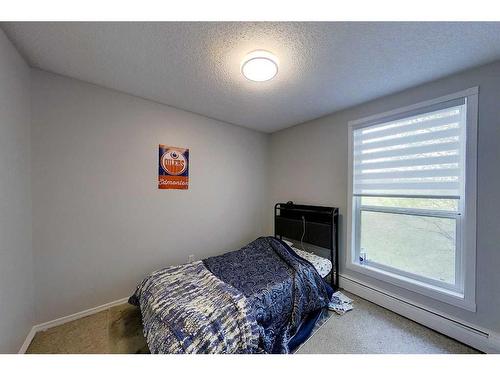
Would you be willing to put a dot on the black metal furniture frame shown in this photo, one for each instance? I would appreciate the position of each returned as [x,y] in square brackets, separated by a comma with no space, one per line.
[316,225]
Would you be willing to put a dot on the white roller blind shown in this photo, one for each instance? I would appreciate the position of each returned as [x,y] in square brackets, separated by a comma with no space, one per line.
[418,155]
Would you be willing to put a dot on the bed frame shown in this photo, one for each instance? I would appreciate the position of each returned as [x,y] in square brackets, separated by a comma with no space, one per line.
[321,229]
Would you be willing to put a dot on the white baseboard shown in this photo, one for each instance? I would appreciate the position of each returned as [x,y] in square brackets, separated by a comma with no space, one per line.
[477,337]
[65,319]
[28,340]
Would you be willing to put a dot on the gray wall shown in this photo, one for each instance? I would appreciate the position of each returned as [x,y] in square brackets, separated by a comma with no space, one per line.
[16,257]
[309,165]
[99,222]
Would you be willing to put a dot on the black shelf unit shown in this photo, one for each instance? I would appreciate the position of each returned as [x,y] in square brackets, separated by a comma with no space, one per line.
[321,229]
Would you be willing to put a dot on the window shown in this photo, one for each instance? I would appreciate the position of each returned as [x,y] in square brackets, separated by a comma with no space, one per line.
[412,189]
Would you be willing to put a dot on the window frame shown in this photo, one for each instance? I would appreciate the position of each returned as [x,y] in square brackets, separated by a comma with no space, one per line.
[464,294]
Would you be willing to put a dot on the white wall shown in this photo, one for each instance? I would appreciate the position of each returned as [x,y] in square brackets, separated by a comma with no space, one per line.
[309,165]
[16,257]
[99,222]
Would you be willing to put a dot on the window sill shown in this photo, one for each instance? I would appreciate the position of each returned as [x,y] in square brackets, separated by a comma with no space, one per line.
[444,295]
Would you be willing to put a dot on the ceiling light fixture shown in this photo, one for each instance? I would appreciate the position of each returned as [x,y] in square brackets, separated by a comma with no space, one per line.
[259,66]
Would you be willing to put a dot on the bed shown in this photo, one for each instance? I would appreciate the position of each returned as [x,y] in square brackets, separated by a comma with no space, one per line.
[263,298]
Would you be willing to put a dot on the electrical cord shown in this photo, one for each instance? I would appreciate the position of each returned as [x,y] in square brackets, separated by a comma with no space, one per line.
[303,233]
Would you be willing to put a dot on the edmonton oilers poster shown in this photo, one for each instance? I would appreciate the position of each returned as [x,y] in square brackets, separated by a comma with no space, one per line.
[173,168]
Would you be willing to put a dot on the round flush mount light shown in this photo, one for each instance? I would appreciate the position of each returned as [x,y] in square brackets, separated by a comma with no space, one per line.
[259,66]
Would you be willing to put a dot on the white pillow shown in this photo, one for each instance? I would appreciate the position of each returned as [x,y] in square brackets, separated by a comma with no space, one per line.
[288,243]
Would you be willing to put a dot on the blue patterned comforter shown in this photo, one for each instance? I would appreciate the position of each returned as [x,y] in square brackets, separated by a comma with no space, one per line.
[252,300]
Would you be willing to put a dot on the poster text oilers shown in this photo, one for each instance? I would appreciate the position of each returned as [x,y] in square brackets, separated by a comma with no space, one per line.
[173,168]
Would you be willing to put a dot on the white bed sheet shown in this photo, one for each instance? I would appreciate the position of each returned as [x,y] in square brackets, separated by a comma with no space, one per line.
[322,265]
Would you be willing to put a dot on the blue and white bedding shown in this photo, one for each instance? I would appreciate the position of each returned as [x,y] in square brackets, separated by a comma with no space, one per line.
[259,299]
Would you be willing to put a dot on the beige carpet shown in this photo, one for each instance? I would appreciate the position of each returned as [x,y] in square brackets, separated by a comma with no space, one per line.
[371,329]
[366,329]
[115,330]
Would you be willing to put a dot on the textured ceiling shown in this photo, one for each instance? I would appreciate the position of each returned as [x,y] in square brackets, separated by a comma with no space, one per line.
[324,67]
